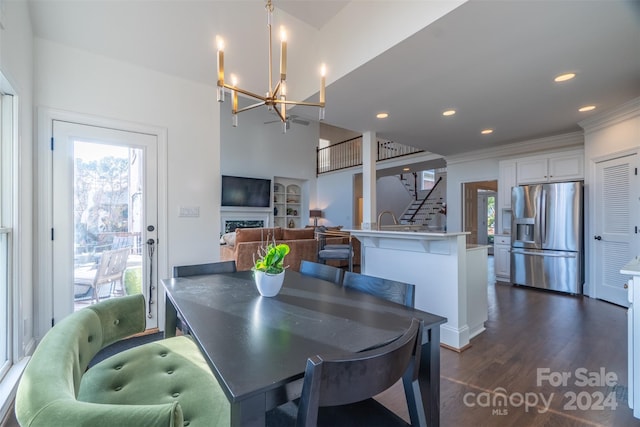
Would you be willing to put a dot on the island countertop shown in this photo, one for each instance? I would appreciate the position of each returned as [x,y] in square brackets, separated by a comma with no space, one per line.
[411,234]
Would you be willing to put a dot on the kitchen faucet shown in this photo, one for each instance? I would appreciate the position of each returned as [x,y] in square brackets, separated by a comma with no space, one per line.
[395,220]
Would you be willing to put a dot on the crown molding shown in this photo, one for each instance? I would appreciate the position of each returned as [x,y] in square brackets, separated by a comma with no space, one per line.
[614,116]
[533,146]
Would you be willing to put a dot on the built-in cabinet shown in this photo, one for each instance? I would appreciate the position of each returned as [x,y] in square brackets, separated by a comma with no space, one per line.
[550,167]
[554,168]
[633,331]
[288,200]
[506,180]
[501,257]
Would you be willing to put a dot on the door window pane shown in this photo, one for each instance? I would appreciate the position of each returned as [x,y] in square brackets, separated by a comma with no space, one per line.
[107,218]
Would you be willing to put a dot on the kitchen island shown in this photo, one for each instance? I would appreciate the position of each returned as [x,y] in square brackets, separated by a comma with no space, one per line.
[450,276]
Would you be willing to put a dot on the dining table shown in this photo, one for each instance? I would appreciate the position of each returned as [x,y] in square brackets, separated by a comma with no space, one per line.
[257,347]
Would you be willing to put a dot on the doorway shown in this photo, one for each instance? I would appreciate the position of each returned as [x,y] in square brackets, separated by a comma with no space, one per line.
[478,214]
[105,214]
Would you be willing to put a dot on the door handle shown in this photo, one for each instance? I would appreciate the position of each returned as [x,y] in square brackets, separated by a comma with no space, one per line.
[597,237]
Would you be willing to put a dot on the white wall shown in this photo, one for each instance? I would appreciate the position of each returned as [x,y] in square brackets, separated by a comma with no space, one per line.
[77,81]
[459,173]
[260,150]
[16,66]
[335,197]
[392,196]
[613,132]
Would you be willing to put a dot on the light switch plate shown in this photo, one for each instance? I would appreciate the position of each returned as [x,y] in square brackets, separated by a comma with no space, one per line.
[189,211]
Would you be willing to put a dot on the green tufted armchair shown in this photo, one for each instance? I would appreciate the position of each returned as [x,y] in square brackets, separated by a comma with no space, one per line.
[163,383]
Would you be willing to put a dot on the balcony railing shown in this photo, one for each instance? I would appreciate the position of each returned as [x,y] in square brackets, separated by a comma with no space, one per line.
[347,154]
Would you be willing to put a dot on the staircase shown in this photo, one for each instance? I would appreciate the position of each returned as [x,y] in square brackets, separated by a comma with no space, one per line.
[423,214]
[422,210]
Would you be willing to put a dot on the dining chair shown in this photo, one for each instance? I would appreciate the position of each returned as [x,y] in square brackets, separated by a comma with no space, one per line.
[322,271]
[399,292]
[201,269]
[334,251]
[339,390]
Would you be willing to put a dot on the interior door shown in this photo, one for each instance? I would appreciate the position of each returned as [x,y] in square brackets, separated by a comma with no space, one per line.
[615,241]
[105,211]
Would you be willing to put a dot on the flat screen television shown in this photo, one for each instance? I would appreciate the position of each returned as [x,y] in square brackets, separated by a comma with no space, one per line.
[246,192]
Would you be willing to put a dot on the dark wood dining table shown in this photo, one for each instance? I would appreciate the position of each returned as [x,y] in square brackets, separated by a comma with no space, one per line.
[257,347]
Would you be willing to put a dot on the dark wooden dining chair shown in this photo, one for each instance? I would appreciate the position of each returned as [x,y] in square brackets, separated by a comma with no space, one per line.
[200,269]
[402,293]
[334,251]
[339,390]
[322,271]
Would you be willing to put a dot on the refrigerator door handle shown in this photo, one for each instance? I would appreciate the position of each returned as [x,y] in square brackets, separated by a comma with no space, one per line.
[543,216]
[562,255]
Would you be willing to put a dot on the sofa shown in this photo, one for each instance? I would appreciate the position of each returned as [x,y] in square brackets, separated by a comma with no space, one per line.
[242,245]
[163,383]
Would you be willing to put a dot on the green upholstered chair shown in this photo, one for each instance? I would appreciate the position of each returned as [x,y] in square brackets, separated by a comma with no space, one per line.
[163,383]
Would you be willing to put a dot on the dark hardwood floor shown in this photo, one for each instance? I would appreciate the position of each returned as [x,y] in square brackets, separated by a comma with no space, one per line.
[530,333]
[528,330]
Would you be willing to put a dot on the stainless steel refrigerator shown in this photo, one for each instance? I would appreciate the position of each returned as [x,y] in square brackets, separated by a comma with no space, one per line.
[547,236]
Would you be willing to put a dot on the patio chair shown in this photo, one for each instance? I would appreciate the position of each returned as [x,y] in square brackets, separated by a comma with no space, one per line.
[339,390]
[109,271]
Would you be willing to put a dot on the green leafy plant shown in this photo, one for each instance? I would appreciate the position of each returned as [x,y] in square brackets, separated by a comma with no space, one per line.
[271,258]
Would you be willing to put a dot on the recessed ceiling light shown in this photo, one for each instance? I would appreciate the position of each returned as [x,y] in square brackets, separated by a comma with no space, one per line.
[486,131]
[587,108]
[564,77]
[448,112]
[406,169]
[382,115]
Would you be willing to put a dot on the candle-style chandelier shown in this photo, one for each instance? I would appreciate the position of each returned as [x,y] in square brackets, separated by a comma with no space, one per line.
[276,98]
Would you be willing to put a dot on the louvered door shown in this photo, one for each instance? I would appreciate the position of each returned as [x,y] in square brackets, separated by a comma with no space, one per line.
[615,242]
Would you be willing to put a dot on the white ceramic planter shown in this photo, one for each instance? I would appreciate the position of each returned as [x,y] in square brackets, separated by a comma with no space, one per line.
[268,284]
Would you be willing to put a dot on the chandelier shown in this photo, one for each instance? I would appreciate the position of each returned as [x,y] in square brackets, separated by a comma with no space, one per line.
[276,97]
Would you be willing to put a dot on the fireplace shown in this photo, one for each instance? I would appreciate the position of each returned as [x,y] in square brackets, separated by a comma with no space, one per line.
[232,220]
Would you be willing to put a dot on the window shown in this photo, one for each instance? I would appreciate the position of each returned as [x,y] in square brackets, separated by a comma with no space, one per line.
[428,179]
[324,161]
[6,247]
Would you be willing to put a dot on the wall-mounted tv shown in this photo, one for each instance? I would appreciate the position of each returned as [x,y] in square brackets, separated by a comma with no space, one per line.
[246,192]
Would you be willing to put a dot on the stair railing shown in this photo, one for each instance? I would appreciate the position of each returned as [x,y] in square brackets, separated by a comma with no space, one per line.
[412,219]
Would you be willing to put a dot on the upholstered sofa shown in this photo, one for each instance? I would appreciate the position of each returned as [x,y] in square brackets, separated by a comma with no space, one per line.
[243,245]
[163,383]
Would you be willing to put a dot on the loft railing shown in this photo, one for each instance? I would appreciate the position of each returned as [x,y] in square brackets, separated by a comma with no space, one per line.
[347,154]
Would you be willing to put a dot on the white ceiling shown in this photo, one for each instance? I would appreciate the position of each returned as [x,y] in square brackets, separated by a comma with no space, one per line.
[493,61]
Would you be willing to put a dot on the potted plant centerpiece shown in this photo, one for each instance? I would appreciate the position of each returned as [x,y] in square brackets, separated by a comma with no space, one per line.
[268,270]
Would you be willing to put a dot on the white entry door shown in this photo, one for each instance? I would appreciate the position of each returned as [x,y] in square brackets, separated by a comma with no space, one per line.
[616,238]
[105,189]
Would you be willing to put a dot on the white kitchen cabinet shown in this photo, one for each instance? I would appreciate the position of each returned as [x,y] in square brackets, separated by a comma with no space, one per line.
[566,168]
[506,180]
[502,257]
[633,330]
[551,168]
